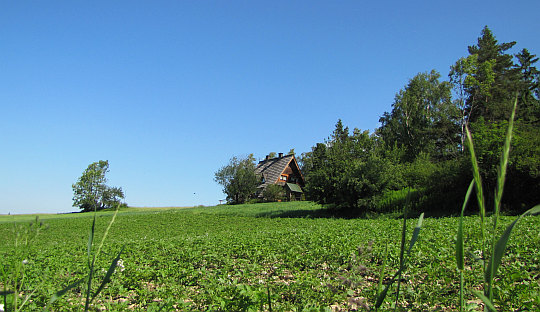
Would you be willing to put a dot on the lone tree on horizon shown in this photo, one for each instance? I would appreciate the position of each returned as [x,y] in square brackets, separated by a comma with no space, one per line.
[90,192]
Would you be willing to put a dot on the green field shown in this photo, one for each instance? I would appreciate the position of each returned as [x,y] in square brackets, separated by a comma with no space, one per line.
[276,256]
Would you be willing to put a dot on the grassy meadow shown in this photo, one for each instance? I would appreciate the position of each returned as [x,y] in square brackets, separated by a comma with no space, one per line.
[261,257]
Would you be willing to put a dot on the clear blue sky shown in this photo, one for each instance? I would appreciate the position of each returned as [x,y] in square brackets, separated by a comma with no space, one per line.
[169,91]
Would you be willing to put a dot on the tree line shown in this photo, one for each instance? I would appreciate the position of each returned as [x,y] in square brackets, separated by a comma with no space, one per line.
[419,152]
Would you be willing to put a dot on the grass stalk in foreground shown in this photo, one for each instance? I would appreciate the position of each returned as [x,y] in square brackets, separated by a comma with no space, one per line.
[404,257]
[479,191]
[501,176]
[92,257]
[498,246]
[402,251]
[460,249]
[383,267]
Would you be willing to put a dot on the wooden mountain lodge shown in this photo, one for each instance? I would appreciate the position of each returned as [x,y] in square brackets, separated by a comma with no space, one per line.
[283,171]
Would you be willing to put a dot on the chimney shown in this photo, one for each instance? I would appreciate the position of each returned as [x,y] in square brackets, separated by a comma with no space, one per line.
[267,157]
[280,155]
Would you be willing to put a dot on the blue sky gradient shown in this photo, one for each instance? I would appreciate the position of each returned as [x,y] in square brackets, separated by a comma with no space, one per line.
[169,91]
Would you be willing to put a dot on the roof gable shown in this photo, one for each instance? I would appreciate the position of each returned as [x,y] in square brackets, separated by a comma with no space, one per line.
[271,169]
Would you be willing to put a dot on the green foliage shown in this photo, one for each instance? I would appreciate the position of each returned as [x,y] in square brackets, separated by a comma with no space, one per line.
[529,88]
[525,150]
[357,172]
[488,138]
[486,83]
[394,200]
[419,173]
[524,167]
[346,171]
[273,193]
[495,79]
[423,119]
[421,142]
[90,192]
[238,179]
[524,161]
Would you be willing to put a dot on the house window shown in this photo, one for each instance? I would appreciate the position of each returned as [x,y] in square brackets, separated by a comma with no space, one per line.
[283,178]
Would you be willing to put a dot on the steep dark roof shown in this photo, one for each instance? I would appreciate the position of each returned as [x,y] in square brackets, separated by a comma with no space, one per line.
[271,169]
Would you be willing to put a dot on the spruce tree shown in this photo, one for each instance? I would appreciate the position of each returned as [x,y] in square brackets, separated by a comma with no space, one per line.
[496,69]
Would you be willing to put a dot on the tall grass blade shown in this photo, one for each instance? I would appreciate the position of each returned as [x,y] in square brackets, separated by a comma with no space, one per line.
[501,175]
[383,267]
[480,198]
[476,174]
[478,183]
[268,298]
[416,233]
[89,284]
[108,275]
[107,231]
[91,262]
[382,295]
[5,292]
[500,247]
[91,266]
[460,247]
[402,249]
[62,292]
[91,239]
[487,302]
[28,296]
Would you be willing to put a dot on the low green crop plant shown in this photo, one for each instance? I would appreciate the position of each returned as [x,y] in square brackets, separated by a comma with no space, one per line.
[494,246]
[16,289]
[218,258]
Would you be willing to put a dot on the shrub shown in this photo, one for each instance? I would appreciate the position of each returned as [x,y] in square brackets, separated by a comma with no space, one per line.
[273,192]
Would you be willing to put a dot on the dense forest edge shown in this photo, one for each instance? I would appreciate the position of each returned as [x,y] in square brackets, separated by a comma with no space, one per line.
[419,150]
